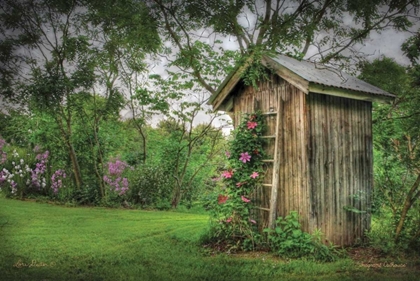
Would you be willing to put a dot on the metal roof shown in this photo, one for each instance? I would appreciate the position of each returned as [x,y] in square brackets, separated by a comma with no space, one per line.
[311,72]
[328,76]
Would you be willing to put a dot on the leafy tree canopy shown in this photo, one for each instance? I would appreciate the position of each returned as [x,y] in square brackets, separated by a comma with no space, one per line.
[274,26]
[59,46]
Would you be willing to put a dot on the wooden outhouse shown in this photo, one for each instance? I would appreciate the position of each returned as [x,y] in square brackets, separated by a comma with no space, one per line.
[319,142]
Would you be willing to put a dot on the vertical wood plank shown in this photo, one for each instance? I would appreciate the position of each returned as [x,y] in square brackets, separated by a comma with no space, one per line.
[276,171]
[325,147]
[370,154]
[335,112]
[341,169]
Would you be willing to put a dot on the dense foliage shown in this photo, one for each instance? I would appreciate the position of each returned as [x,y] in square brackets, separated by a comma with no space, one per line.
[289,241]
[396,208]
[32,169]
[72,67]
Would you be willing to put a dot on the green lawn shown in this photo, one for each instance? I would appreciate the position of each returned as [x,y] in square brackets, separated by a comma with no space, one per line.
[47,242]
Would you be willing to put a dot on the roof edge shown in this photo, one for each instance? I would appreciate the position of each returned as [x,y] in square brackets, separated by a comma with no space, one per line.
[296,79]
[348,93]
[228,84]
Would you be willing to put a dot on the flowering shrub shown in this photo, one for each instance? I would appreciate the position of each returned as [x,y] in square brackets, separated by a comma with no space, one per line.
[3,155]
[21,176]
[57,180]
[38,174]
[24,172]
[114,178]
[232,220]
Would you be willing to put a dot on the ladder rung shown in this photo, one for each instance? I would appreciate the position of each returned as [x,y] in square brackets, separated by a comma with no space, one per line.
[268,160]
[267,184]
[261,208]
[269,137]
[269,113]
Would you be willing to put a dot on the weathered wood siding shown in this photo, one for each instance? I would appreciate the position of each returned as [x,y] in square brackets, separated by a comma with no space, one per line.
[279,96]
[340,161]
[265,98]
[325,160]
[293,192]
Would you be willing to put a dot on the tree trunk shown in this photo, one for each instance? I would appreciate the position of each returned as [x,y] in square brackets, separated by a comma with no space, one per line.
[409,200]
[140,130]
[66,134]
[144,146]
[75,165]
[99,163]
[176,197]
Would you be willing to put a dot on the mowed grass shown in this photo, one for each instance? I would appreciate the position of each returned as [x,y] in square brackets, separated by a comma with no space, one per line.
[47,242]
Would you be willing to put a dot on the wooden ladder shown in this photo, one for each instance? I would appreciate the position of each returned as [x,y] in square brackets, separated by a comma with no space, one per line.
[276,168]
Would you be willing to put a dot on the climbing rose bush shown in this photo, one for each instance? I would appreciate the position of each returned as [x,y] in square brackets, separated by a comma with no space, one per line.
[233,222]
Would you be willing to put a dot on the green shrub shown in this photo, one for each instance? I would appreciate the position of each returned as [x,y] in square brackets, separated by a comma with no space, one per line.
[382,234]
[150,186]
[84,196]
[289,241]
[162,204]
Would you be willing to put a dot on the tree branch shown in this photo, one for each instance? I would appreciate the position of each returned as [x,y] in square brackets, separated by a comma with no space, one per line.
[363,33]
[174,36]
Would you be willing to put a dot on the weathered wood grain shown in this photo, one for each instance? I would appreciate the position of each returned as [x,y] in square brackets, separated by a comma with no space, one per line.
[325,146]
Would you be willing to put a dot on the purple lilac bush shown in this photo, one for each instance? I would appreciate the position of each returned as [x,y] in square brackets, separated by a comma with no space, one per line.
[57,180]
[114,178]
